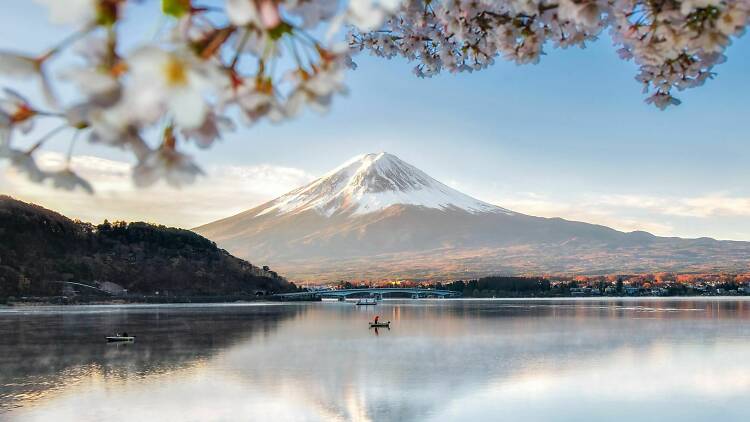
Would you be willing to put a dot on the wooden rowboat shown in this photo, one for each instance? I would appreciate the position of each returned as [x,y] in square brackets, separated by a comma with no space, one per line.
[380,324]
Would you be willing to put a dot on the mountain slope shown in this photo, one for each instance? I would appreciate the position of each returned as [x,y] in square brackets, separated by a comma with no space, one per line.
[379,217]
[39,248]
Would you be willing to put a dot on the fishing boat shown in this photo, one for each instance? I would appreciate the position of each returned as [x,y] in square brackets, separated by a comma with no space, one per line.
[386,324]
[366,301]
[120,338]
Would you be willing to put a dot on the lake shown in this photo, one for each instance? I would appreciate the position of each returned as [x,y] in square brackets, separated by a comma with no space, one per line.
[442,360]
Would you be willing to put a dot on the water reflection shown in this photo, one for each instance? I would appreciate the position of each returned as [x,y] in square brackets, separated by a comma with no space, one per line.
[442,360]
[46,350]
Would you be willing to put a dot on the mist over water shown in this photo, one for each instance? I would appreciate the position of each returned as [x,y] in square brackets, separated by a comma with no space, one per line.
[442,360]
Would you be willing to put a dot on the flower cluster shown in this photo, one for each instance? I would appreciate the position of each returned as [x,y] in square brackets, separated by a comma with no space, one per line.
[243,61]
[675,43]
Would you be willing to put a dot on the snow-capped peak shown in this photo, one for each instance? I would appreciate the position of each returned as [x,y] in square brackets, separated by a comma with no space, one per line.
[373,182]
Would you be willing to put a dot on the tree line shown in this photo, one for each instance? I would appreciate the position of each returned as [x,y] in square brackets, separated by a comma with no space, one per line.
[42,252]
[500,286]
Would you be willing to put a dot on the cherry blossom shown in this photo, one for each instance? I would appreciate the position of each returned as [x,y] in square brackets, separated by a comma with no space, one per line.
[210,131]
[18,65]
[312,12]
[99,78]
[675,43]
[17,112]
[24,67]
[317,88]
[24,163]
[261,13]
[258,100]
[246,61]
[166,163]
[82,12]
[66,179]
[368,14]
[70,11]
[172,83]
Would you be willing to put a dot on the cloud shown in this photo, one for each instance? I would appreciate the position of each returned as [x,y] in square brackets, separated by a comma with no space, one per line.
[715,213]
[596,210]
[226,190]
[711,205]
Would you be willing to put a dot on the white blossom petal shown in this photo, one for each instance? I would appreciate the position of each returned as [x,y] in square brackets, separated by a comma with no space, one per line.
[67,12]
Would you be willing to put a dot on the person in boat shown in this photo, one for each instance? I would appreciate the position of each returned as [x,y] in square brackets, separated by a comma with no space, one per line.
[377,317]
[125,334]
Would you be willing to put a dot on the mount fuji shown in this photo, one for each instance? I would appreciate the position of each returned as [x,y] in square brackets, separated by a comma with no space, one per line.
[378,217]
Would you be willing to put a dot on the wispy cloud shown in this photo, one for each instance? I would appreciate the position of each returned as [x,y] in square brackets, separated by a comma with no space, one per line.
[596,210]
[715,213]
[711,205]
[225,190]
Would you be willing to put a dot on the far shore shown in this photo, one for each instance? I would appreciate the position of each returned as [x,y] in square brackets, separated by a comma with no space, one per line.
[40,302]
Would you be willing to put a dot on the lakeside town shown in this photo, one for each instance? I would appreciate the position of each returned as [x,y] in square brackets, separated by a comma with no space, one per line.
[650,284]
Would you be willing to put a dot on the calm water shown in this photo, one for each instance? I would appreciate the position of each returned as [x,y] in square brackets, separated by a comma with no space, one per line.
[442,360]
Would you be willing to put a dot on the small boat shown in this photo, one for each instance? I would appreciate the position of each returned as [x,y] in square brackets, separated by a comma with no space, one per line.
[366,302]
[386,324]
[119,339]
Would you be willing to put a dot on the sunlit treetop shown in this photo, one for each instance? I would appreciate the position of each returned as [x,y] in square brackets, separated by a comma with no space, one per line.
[217,67]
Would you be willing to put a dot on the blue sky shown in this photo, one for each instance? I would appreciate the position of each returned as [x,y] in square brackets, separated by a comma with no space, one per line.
[568,137]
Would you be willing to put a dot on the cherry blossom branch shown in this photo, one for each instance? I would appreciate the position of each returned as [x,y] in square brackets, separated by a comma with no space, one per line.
[212,67]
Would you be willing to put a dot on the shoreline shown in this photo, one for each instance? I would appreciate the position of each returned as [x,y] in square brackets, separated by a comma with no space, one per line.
[46,303]
[62,301]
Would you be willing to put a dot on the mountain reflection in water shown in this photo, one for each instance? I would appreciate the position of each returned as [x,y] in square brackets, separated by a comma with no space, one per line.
[442,360]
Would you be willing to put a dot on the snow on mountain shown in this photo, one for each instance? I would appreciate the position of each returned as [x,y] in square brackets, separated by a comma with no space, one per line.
[373,182]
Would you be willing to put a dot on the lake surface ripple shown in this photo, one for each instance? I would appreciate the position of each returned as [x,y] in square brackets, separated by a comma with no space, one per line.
[442,360]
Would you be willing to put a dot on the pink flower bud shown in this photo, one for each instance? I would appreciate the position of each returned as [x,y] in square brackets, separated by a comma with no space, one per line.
[269,13]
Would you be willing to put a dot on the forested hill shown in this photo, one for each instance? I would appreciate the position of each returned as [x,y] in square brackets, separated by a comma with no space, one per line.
[40,248]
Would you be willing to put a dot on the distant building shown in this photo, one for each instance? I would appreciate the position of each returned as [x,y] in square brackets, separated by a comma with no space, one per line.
[660,291]
[575,291]
[580,291]
[632,291]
